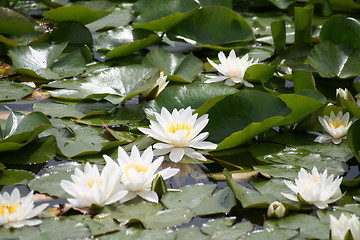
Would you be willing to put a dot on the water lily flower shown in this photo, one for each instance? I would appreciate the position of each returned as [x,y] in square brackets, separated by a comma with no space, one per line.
[336,127]
[276,209]
[91,187]
[314,188]
[161,83]
[16,212]
[232,68]
[344,226]
[139,171]
[179,133]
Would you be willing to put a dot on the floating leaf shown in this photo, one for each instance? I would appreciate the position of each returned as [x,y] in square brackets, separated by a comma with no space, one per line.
[124,41]
[332,60]
[77,13]
[161,15]
[15,176]
[116,18]
[14,23]
[177,66]
[12,90]
[198,29]
[341,30]
[44,61]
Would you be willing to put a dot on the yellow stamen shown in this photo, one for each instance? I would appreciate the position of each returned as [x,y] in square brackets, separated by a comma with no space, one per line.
[91,182]
[316,180]
[10,207]
[179,126]
[138,168]
[338,123]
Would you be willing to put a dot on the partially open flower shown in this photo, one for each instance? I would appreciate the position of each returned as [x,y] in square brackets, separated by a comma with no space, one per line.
[139,171]
[180,134]
[276,209]
[158,86]
[335,126]
[346,227]
[91,187]
[232,68]
[17,213]
[314,188]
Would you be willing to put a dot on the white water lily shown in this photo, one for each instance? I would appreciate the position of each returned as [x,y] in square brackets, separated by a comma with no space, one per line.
[276,209]
[91,187]
[232,68]
[161,83]
[346,224]
[335,126]
[139,171]
[315,188]
[179,133]
[16,212]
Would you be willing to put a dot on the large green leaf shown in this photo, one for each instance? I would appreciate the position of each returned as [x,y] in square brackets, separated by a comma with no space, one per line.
[15,23]
[77,13]
[12,90]
[44,61]
[116,18]
[199,28]
[341,30]
[177,66]
[249,198]
[353,140]
[235,112]
[124,41]
[332,60]
[38,151]
[73,33]
[193,95]
[161,15]
[118,84]
[22,129]
[15,176]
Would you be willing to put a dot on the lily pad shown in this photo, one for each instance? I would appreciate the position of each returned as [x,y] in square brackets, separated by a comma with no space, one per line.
[11,90]
[77,13]
[178,67]
[198,29]
[332,60]
[15,23]
[44,61]
[161,15]
[15,176]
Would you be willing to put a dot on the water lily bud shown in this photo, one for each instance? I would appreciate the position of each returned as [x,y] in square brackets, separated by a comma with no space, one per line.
[276,210]
[344,93]
[156,88]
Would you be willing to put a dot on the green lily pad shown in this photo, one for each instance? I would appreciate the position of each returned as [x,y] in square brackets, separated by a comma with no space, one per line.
[194,95]
[116,18]
[44,61]
[341,30]
[12,90]
[49,182]
[332,60]
[352,139]
[161,15]
[124,41]
[168,218]
[249,198]
[15,176]
[22,129]
[72,32]
[178,67]
[118,84]
[15,23]
[77,13]
[198,29]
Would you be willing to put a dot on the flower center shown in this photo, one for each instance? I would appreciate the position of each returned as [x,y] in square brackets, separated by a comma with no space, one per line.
[8,208]
[138,168]
[91,182]
[338,123]
[316,180]
[180,126]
